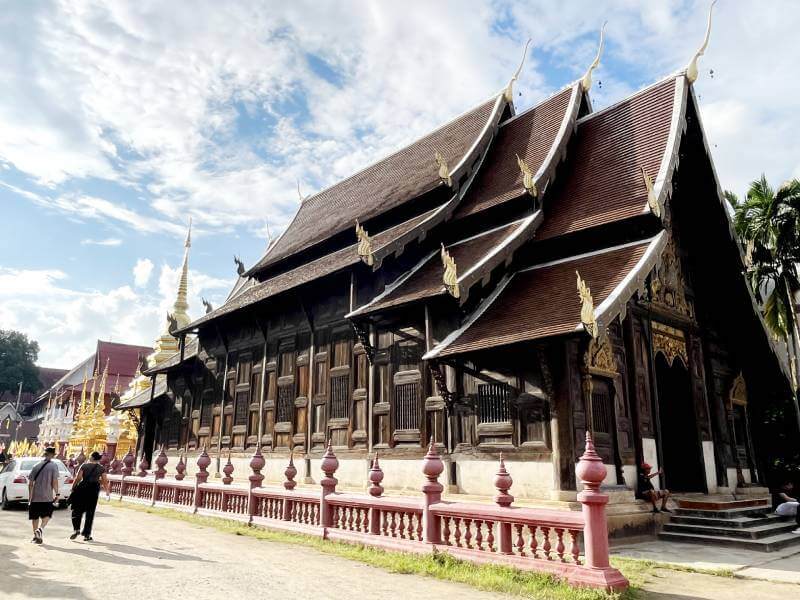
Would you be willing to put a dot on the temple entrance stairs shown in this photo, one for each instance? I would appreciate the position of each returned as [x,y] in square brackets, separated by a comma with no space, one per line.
[748,523]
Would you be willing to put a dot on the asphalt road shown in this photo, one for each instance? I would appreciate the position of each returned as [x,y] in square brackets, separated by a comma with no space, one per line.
[140,556]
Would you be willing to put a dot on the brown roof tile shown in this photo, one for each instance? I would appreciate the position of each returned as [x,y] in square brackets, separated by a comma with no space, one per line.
[530,135]
[543,301]
[305,273]
[426,281]
[604,181]
[388,183]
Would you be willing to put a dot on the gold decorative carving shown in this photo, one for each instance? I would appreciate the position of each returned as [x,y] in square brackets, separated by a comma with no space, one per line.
[509,91]
[586,80]
[364,244]
[738,394]
[444,170]
[450,275]
[601,358]
[667,288]
[587,307]
[652,200]
[691,68]
[670,342]
[527,177]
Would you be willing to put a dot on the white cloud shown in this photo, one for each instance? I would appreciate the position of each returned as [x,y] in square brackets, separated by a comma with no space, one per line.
[67,321]
[159,96]
[105,242]
[142,271]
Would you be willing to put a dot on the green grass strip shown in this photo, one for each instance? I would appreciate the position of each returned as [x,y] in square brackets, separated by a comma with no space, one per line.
[493,578]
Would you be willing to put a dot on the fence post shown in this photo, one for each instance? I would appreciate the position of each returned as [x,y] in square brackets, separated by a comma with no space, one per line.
[127,463]
[180,469]
[329,465]
[288,485]
[503,481]
[256,464]
[228,470]
[161,462]
[200,477]
[591,471]
[375,490]
[143,466]
[432,467]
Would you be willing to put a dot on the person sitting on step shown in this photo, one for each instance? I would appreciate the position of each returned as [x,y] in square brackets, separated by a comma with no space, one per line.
[785,504]
[646,490]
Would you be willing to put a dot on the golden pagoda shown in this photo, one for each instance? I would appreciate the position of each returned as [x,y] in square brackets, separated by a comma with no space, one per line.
[96,419]
[80,425]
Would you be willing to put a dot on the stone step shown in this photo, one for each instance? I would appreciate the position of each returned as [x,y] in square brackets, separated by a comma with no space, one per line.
[730,513]
[738,522]
[747,533]
[767,544]
[705,504]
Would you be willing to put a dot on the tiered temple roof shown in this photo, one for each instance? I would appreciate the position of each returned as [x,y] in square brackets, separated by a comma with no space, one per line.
[507,198]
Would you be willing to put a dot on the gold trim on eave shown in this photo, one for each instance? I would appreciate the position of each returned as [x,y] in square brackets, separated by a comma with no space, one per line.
[587,307]
[527,177]
[450,275]
[691,68]
[444,170]
[652,200]
[364,244]
[586,80]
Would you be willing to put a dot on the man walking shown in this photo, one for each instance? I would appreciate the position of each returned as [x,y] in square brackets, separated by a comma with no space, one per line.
[42,493]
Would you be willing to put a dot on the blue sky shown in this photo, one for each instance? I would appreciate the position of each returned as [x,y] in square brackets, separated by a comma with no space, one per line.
[119,121]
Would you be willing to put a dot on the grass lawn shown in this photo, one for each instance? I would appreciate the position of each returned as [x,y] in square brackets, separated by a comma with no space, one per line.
[493,578]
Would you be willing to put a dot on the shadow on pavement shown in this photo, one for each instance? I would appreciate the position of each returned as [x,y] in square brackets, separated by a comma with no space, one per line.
[106,557]
[32,582]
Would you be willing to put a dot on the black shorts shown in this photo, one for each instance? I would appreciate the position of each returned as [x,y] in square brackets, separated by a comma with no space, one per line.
[37,510]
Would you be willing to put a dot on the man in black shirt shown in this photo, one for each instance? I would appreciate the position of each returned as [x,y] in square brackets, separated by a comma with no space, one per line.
[646,490]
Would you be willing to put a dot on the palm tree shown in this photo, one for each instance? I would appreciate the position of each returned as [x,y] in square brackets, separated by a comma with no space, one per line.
[768,222]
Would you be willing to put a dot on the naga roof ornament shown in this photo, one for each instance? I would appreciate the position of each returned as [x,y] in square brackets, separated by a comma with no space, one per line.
[527,177]
[587,307]
[652,199]
[364,245]
[444,170]
[586,80]
[509,92]
[450,275]
[691,68]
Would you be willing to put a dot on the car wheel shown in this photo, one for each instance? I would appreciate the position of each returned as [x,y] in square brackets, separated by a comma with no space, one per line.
[5,504]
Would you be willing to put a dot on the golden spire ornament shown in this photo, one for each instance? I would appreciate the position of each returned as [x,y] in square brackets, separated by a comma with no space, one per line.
[509,91]
[364,244]
[587,307]
[652,200]
[527,177]
[691,69]
[444,170]
[450,275]
[586,80]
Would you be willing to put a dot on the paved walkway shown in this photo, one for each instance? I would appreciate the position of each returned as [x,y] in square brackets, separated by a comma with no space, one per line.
[780,566]
[181,560]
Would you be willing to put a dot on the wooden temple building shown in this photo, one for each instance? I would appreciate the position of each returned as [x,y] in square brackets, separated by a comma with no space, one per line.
[501,285]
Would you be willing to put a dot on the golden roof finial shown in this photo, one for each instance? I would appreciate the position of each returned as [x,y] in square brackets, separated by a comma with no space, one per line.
[691,68]
[586,81]
[587,307]
[509,93]
[652,200]
[527,177]
[450,275]
[364,244]
[444,170]
[181,305]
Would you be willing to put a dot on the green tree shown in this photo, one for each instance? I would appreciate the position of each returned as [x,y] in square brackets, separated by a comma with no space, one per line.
[18,357]
[768,222]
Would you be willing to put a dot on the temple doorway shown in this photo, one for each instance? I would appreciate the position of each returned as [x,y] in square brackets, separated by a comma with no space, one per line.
[681,453]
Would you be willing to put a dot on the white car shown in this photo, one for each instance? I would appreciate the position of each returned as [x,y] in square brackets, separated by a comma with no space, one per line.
[14,480]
